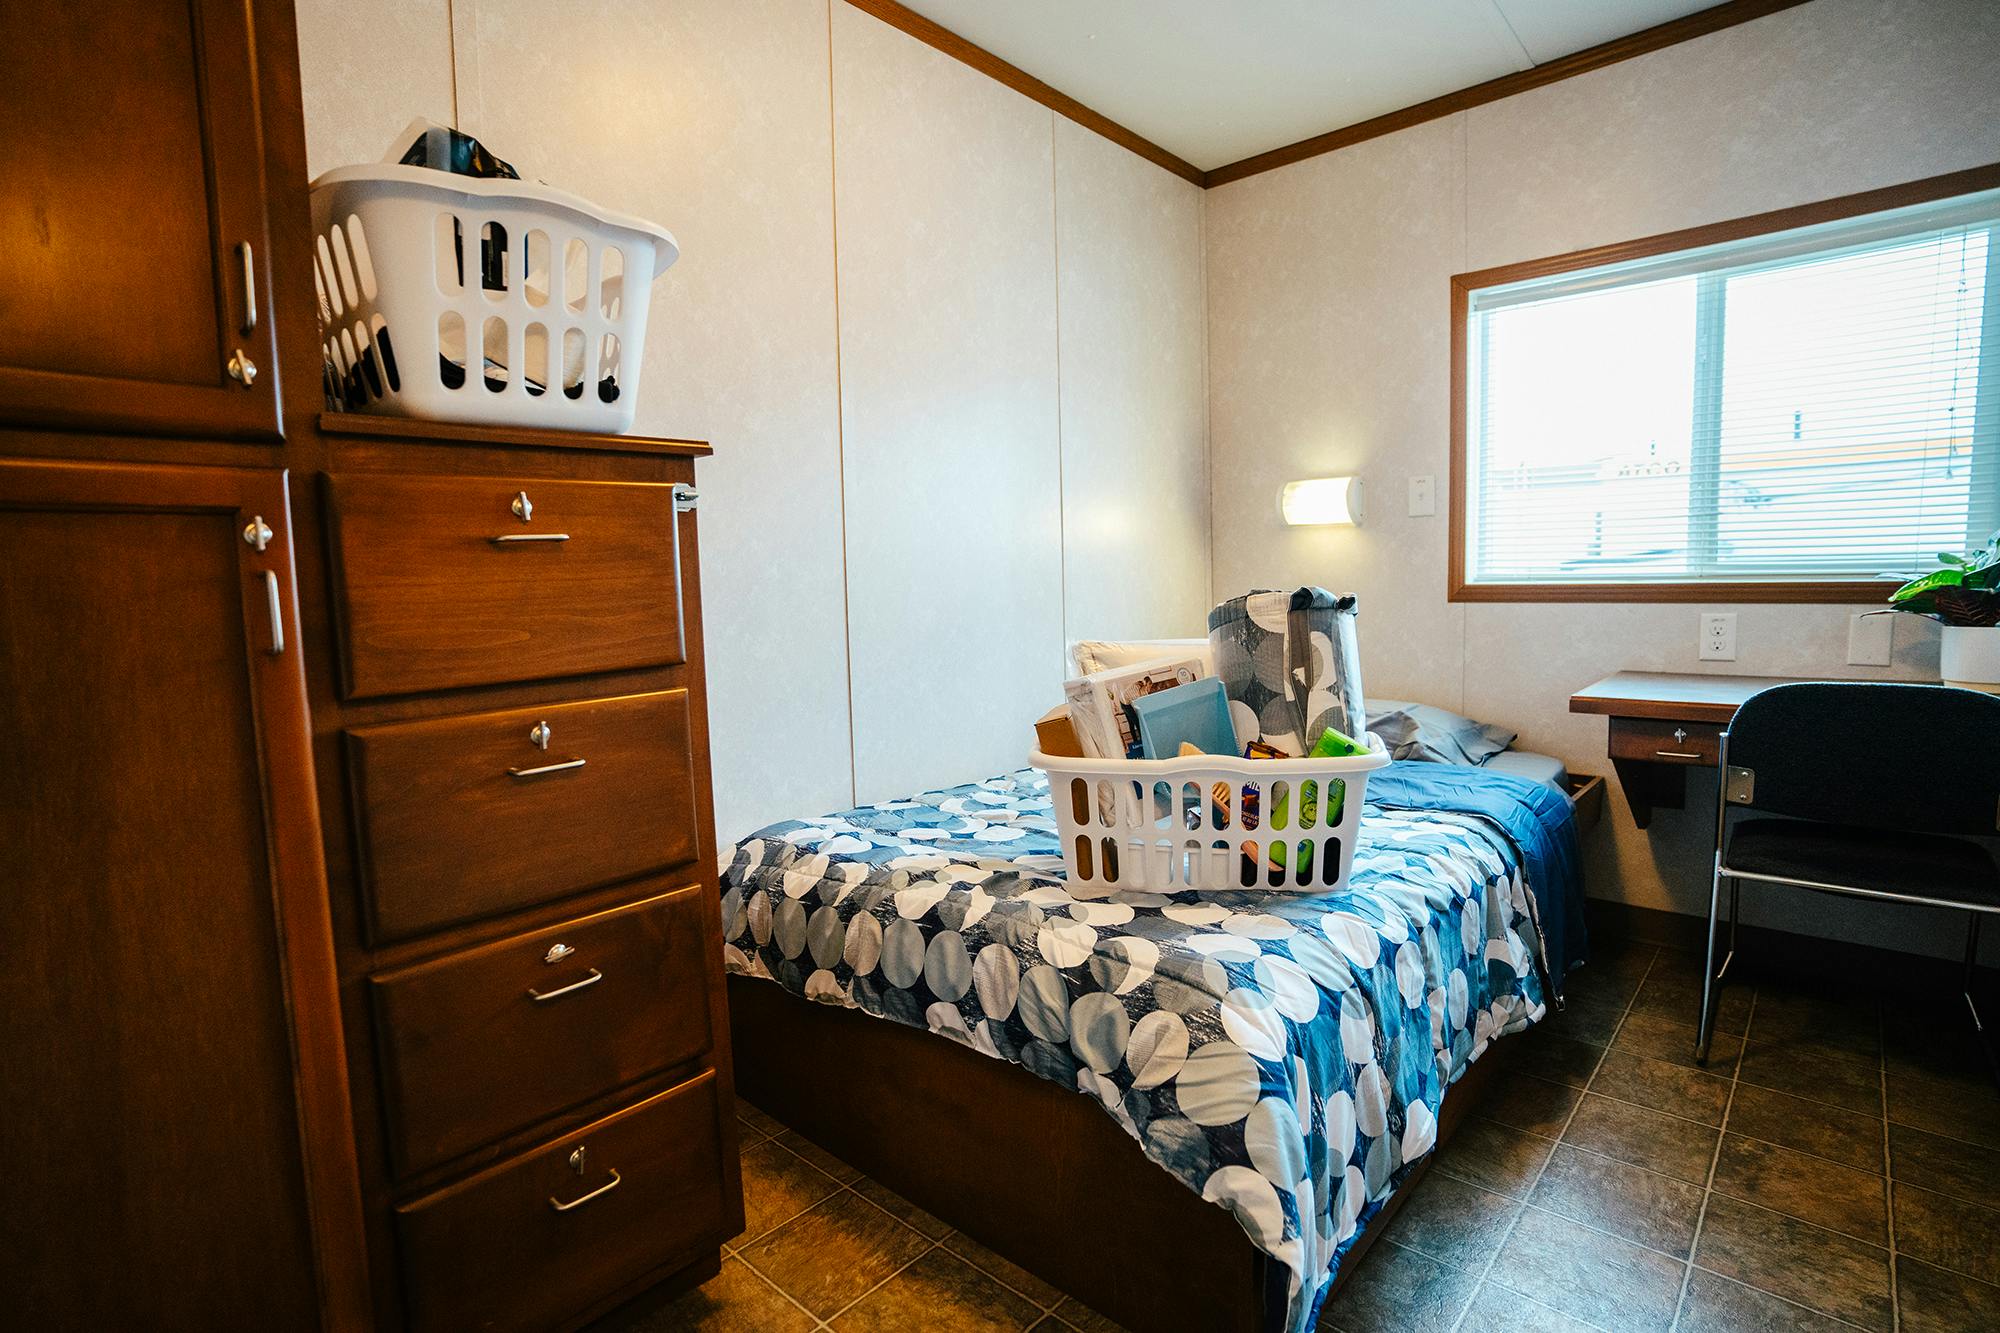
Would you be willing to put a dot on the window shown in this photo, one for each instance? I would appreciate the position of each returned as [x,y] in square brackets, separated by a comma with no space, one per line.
[1787,408]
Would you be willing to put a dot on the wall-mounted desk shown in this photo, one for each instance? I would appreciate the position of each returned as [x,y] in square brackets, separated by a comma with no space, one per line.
[1662,724]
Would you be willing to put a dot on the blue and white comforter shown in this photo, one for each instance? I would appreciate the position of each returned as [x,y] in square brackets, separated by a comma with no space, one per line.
[1284,1055]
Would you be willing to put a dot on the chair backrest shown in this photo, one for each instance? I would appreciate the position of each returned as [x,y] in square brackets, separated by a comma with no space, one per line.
[1925,758]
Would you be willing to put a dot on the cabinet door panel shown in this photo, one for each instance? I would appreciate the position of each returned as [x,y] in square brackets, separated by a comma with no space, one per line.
[178,1141]
[133,217]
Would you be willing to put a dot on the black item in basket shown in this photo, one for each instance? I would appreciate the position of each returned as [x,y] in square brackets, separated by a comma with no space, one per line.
[441,148]
[444,149]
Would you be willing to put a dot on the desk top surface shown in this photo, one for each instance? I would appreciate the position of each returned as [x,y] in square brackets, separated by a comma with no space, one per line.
[1680,696]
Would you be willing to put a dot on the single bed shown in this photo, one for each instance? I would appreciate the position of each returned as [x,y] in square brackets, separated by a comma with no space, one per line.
[1281,1056]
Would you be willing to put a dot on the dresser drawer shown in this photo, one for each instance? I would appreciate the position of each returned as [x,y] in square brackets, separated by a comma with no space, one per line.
[1665,742]
[483,1043]
[465,817]
[524,1245]
[441,582]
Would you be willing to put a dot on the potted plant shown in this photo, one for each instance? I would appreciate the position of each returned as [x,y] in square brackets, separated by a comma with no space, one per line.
[1962,594]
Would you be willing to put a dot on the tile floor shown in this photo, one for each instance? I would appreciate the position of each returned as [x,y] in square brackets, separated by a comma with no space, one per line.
[826,1248]
[1836,1166]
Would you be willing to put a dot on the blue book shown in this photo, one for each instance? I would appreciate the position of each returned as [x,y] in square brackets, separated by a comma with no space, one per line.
[1196,714]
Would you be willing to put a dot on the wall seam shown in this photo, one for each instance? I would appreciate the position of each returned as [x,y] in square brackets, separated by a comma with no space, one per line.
[451,56]
[840,424]
[1062,437]
[462,18]
[1207,398]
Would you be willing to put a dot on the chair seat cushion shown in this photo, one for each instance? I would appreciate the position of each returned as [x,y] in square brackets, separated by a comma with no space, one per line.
[1884,862]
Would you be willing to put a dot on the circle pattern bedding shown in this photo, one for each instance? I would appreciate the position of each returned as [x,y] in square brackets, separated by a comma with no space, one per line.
[1283,1055]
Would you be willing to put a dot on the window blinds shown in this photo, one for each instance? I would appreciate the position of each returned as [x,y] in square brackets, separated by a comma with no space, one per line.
[1819,404]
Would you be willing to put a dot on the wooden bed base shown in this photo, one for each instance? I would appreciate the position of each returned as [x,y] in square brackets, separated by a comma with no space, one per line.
[1036,1172]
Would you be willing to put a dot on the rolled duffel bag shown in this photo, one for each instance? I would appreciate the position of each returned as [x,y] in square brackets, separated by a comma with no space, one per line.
[1291,665]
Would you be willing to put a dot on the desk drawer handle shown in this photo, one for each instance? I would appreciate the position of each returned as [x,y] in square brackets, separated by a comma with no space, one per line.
[509,538]
[544,996]
[1678,754]
[540,769]
[581,1200]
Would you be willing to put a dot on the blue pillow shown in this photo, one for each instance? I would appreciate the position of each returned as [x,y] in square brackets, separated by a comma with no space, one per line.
[1421,731]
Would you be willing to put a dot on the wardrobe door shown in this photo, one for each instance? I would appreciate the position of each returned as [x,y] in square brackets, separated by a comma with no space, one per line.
[177,1150]
[133,286]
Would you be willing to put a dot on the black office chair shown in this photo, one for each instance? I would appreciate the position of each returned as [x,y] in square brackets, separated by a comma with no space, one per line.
[1884,786]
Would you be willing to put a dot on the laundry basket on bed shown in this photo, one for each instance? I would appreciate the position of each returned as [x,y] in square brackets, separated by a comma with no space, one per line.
[1209,821]
[487,301]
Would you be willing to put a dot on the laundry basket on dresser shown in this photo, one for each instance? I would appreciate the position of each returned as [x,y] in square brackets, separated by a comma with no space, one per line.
[486,301]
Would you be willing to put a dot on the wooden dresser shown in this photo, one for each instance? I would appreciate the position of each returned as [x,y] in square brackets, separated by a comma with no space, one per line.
[504,658]
[360,952]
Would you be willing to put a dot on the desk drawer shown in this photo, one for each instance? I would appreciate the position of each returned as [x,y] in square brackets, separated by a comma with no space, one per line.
[483,1043]
[495,1251]
[466,817]
[443,584]
[1654,740]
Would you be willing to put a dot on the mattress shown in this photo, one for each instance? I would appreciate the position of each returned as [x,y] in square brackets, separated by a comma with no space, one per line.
[1283,1055]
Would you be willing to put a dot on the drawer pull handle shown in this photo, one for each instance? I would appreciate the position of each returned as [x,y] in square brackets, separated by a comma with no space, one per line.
[1678,754]
[544,996]
[583,1199]
[509,538]
[540,769]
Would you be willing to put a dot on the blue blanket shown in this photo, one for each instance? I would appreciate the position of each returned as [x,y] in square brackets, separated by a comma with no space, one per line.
[1536,818]
[1284,1055]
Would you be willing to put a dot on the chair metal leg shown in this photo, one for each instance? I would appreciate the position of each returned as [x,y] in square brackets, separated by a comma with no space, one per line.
[1735,911]
[1704,1028]
[1971,967]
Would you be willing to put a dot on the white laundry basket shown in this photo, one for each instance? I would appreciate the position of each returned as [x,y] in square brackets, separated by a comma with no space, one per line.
[491,302]
[1169,825]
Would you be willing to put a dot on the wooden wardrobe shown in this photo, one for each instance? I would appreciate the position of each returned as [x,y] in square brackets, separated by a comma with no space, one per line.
[334,993]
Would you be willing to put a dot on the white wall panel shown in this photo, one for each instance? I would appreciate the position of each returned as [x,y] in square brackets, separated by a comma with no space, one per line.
[367,69]
[945,208]
[1327,340]
[1134,410]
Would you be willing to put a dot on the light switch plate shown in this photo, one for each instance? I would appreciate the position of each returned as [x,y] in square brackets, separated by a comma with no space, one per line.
[1871,640]
[1718,636]
[1423,497]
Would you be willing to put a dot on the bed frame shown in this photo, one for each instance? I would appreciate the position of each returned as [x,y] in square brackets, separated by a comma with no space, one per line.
[1034,1171]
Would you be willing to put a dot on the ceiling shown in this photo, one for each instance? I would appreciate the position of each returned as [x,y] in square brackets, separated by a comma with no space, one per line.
[1213,81]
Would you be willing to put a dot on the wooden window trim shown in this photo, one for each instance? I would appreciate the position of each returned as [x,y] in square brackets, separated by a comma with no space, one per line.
[1459,589]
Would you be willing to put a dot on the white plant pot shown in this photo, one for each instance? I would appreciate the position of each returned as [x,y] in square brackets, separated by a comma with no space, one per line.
[1970,656]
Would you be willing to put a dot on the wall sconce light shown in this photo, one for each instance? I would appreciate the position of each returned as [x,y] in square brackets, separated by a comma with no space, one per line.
[1321,500]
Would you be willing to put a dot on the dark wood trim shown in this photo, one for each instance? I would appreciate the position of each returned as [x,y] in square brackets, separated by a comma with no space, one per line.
[446,432]
[1852,591]
[1648,40]
[907,20]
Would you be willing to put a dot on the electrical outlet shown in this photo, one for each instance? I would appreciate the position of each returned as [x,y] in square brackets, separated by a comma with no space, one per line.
[1423,497]
[1718,636]
[1871,639]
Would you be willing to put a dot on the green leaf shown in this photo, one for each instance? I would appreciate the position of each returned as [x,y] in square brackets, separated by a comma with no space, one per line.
[1931,582]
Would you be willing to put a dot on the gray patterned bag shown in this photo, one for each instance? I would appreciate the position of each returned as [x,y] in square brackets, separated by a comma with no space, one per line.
[1291,664]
